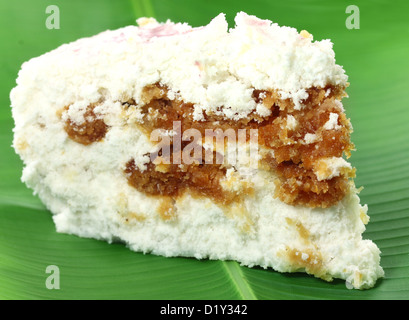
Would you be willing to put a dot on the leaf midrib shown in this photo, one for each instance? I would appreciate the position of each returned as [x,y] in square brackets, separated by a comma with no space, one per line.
[142,8]
[235,273]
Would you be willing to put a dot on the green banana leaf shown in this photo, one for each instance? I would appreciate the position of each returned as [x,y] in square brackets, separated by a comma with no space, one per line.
[376,58]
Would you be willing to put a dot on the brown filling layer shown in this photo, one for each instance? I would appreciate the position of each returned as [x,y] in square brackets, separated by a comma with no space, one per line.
[300,186]
[175,181]
[288,144]
[91,130]
[293,159]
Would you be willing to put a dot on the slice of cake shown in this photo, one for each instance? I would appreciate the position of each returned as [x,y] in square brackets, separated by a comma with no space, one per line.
[202,142]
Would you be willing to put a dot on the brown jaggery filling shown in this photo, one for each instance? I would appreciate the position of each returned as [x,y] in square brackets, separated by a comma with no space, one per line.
[93,129]
[301,186]
[173,180]
[287,144]
[293,158]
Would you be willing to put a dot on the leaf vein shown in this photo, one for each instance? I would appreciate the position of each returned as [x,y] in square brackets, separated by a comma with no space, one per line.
[237,277]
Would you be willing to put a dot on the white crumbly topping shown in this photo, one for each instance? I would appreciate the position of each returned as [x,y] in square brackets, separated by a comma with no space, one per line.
[85,186]
[332,123]
[211,66]
[262,110]
[146,22]
[76,112]
[310,138]
[339,105]
[329,168]
[292,123]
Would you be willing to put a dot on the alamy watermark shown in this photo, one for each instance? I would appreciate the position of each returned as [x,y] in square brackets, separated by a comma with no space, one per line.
[53,280]
[190,147]
[353,20]
[53,19]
